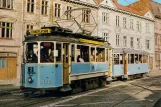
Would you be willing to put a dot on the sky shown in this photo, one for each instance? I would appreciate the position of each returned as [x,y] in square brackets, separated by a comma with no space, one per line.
[126,2]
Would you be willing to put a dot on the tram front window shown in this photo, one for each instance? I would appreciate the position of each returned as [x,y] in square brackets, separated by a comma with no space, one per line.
[46,52]
[31,53]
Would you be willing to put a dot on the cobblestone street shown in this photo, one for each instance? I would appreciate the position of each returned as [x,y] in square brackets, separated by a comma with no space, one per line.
[144,92]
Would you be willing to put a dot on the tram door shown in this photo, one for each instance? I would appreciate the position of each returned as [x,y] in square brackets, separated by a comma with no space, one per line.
[66,63]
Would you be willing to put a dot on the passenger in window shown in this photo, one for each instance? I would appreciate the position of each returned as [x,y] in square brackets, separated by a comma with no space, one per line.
[51,55]
[43,55]
[79,59]
[31,58]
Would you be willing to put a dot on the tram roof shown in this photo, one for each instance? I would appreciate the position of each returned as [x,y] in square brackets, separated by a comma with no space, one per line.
[63,35]
[130,51]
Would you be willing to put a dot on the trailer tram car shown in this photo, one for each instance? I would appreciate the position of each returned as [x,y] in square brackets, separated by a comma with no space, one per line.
[58,59]
[129,63]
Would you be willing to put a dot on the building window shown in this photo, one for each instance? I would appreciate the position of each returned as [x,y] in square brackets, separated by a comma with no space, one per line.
[147,44]
[138,42]
[57,10]
[147,27]
[117,20]
[7,4]
[106,37]
[125,41]
[29,27]
[105,18]
[69,16]
[44,7]
[132,42]
[2,63]
[117,40]
[6,30]
[131,24]
[86,16]
[30,6]
[138,25]
[124,22]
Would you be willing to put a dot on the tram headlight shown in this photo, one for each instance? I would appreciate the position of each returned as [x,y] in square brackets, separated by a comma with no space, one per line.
[30,70]
[30,80]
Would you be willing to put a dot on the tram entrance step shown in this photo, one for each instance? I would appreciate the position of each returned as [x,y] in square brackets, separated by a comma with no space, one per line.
[65,88]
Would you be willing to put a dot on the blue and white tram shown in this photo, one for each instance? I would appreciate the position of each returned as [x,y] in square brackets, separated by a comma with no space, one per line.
[57,59]
[130,63]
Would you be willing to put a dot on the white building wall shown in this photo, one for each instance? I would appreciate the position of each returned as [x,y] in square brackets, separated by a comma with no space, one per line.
[13,45]
[112,29]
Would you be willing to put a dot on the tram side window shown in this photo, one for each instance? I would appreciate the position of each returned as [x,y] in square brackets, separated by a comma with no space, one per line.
[58,48]
[131,58]
[31,53]
[145,59]
[140,58]
[116,58]
[82,53]
[47,52]
[72,52]
[92,54]
[137,59]
[100,54]
[121,58]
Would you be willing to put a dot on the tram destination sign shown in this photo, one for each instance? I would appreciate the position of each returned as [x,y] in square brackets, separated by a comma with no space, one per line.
[41,31]
[91,42]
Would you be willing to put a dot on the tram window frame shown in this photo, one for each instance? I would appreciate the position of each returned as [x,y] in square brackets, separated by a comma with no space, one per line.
[30,50]
[100,55]
[121,61]
[59,53]
[107,54]
[73,53]
[80,53]
[47,52]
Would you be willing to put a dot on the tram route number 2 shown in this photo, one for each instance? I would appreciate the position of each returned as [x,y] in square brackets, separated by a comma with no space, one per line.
[47,81]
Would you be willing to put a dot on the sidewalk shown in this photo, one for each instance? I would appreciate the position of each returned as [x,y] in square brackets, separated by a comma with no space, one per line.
[8,89]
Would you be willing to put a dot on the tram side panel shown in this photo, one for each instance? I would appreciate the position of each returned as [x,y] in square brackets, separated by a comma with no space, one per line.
[118,70]
[43,76]
[89,69]
[138,68]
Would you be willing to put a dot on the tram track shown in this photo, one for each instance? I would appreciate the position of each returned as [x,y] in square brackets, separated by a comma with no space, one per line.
[143,89]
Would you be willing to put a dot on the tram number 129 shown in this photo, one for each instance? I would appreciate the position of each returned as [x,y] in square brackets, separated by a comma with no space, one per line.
[47,82]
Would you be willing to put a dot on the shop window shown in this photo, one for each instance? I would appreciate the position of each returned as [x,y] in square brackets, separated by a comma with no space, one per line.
[2,63]
[47,52]
[100,55]
[31,53]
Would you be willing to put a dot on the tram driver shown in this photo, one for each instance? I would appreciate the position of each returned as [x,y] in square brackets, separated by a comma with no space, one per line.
[31,58]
